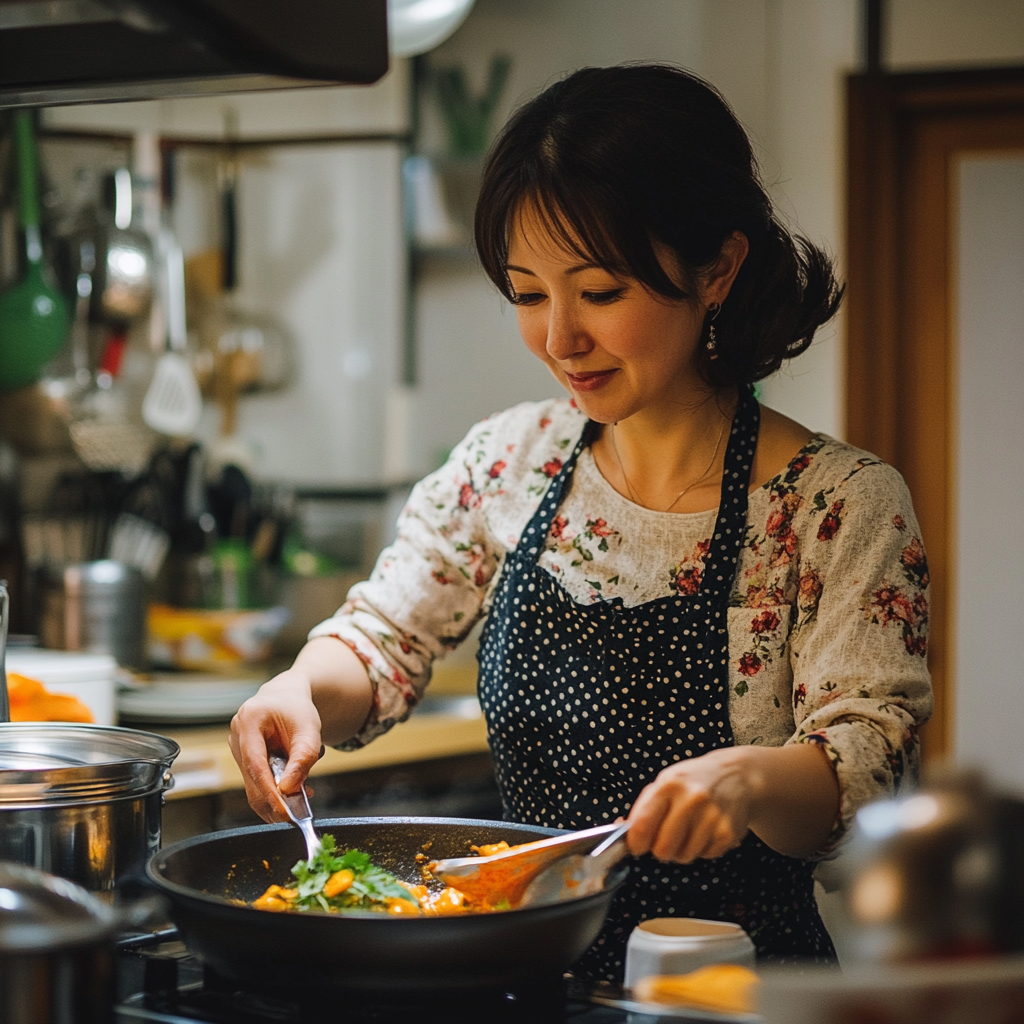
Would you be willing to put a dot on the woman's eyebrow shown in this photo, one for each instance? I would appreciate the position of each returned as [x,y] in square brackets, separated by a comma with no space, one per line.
[577,269]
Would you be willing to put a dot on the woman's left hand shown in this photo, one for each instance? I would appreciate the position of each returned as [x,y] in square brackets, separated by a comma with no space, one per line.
[701,807]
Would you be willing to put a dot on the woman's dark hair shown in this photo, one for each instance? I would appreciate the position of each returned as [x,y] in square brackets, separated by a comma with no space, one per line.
[617,158]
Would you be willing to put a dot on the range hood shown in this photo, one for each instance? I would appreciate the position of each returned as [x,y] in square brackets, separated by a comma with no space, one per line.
[87,51]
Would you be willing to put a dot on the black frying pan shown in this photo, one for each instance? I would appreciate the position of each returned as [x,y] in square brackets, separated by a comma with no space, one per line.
[265,949]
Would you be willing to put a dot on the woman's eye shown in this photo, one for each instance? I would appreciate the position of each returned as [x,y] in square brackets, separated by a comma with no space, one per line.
[605,297]
[526,298]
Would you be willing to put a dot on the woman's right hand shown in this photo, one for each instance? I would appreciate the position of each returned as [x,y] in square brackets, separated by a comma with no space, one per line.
[281,717]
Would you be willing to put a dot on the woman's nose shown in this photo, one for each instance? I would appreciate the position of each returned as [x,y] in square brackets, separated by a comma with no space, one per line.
[566,335]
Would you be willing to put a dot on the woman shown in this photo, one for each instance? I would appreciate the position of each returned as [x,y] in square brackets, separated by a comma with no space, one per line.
[700,614]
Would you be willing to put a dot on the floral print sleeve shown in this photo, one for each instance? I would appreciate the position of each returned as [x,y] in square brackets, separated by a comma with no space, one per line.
[828,620]
[845,566]
[431,585]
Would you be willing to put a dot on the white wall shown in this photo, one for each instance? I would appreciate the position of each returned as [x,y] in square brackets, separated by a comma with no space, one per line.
[782,65]
[988,614]
[925,34]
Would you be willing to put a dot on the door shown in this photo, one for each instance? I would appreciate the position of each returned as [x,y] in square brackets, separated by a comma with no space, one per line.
[927,367]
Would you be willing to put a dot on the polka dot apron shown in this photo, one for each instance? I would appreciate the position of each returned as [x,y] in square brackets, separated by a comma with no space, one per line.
[585,704]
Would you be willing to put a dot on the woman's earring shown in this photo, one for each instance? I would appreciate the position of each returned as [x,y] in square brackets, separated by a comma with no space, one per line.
[712,343]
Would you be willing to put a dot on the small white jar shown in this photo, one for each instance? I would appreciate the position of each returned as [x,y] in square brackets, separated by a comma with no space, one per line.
[678,945]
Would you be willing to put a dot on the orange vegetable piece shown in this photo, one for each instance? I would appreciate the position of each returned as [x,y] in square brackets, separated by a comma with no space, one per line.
[338,883]
[31,702]
[399,906]
[448,901]
[275,903]
[491,848]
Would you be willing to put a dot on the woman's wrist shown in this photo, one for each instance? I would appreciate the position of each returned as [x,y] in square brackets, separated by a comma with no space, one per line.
[794,796]
[338,684]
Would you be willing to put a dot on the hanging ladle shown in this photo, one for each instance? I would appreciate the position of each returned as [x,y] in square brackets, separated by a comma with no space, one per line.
[548,871]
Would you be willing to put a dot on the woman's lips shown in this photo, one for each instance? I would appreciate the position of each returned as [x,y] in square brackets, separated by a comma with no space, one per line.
[589,381]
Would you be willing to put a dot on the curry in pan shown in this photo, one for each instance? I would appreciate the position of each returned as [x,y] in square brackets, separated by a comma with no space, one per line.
[345,882]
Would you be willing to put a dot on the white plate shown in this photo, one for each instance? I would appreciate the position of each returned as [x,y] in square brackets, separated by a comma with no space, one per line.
[185,701]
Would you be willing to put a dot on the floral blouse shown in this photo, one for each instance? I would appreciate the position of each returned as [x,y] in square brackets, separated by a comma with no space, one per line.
[828,621]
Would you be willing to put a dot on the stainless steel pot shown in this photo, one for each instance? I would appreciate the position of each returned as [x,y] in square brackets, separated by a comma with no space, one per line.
[56,951]
[936,874]
[82,801]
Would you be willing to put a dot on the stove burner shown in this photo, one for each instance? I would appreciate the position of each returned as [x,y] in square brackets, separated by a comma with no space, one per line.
[161,981]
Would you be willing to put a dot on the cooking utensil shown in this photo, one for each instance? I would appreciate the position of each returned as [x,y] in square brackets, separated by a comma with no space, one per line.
[240,351]
[81,372]
[82,801]
[543,872]
[123,282]
[115,274]
[33,314]
[137,542]
[296,806]
[201,875]
[172,404]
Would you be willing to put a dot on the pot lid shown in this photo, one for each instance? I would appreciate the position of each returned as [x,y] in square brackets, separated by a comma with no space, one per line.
[42,762]
[40,912]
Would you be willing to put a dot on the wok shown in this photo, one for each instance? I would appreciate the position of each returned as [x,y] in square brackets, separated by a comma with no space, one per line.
[269,950]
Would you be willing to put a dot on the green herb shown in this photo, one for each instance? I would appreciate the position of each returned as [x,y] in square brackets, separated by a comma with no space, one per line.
[371,888]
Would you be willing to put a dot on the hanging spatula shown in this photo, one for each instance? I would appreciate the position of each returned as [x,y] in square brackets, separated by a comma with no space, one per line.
[173,403]
[548,871]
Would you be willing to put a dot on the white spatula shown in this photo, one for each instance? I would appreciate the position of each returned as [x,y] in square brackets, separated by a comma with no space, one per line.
[548,871]
[173,404]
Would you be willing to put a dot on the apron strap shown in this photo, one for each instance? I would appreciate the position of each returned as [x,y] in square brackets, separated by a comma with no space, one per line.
[532,538]
[731,524]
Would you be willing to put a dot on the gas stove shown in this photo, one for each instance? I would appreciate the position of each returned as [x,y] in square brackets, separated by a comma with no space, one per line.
[159,980]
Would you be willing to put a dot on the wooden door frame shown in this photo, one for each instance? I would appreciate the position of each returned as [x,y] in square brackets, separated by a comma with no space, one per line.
[902,131]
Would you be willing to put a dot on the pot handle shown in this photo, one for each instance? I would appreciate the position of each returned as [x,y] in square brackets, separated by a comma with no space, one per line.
[139,915]
[5,605]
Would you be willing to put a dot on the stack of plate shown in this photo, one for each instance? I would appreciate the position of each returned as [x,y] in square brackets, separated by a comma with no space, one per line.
[185,702]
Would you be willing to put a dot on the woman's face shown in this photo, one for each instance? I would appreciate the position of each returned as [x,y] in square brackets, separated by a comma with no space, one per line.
[616,346]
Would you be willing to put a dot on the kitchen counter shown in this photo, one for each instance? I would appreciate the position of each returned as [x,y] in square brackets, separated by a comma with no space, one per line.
[205,764]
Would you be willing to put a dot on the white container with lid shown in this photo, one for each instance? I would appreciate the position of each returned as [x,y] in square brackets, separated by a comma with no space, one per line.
[89,677]
[678,945]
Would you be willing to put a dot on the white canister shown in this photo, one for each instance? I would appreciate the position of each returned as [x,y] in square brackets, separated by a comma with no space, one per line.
[678,945]
[89,677]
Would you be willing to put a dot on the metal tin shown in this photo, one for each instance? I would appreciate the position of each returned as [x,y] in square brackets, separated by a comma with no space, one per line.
[98,607]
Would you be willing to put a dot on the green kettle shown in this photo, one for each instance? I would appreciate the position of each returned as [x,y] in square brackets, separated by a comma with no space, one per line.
[34,319]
